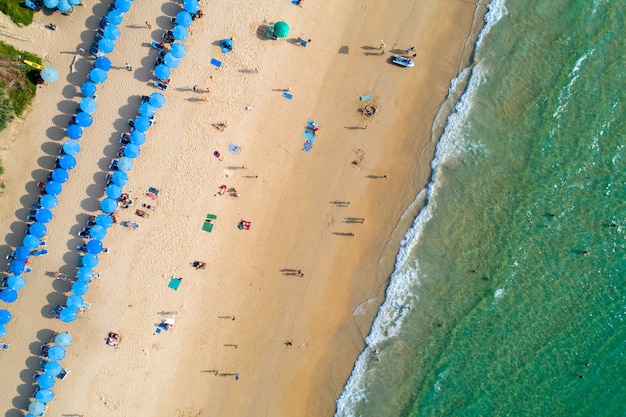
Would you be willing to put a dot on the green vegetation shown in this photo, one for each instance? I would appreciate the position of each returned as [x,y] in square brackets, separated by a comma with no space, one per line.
[17,81]
[18,14]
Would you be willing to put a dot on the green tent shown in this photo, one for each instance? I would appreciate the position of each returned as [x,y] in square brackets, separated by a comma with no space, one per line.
[281,29]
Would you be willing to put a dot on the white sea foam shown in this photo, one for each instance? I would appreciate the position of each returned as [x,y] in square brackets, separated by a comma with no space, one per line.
[566,91]
[392,312]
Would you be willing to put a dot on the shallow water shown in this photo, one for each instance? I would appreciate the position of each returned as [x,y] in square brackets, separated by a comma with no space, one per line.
[508,312]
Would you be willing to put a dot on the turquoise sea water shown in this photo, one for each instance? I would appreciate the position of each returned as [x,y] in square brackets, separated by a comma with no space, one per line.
[515,269]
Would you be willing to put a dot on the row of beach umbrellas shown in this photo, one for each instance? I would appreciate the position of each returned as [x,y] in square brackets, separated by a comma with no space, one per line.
[64,6]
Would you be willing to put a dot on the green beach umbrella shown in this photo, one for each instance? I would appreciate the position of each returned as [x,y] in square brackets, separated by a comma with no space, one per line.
[281,29]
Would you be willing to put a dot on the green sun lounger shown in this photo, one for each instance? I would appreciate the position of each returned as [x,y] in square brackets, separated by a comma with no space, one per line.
[207,227]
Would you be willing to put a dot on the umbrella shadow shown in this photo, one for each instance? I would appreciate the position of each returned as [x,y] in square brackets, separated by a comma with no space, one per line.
[344,50]
[261,32]
[69,92]
[51,148]
[62,121]
[46,162]
[170,9]
[55,133]
[369,48]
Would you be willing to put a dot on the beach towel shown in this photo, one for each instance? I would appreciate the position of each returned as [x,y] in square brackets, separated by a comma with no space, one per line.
[234,149]
[175,283]
[216,62]
[288,96]
[308,145]
[207,227]
[366,97]
[211,216]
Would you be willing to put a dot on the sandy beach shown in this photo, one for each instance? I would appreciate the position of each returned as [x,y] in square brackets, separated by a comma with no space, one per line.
[291,339]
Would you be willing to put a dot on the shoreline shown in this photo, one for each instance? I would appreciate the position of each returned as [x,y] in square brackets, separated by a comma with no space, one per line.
[289,204]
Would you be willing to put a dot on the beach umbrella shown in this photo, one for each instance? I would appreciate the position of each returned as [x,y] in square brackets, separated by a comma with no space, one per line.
[37,408]
[227,45]
[17,267]
[183,18]
[74,131]
[43,215]
[67,315]
[88,88]
[22,253]
[64,6]
[146,110]
[119,177]
[111,32]
[178,50]
[35,229]
[89,260]
[75,301]
[8,295]
[108,205]
[98,75]
[131,151]
[63,339]
[56,353]
[180,33]
[162,72]
[103,62]
[49,74]
[44,396]
[80,287]
[45,381]
[84,273]
[5,316]
[124,164]
[122,5]
[104,220]
[76,2]
[156,100]
[61,175]
[141,123]
[114,191]
[88,104]
[97,232]
[281,29]
[94,246]
[71,147]
[171,61]
[192,6]
[138,138]
[115,17]
[31,242]
[16,282]
[67,162]
[53,188]
[3,330]
[53,367]
[48,201]
[106,46]
[51,4]
[83,119]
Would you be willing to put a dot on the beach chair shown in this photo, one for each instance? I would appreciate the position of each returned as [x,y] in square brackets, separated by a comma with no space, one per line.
[99,35]
[63,373]
[366,97]
[40,252]
[4,346]
[160,85]
[174,283]
[158,46]
[302,42]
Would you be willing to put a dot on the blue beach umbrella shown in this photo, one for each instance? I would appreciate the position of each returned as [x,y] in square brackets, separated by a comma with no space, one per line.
[178,50]
[8,295]
[52,367]
[36,229]
[67,162]
[3,330]
[146,110]
[115,17]
[183,18]
[104,220]
[108,205]
[88,104]
[114,191]
[131,151]
[67,315]
[76,2]
[192,6]
[5,316]
[44,396]
[97,232]
[48,201]
[75,301]
[71,147]
[74,131]
[61,175]
[162,72]
[38,408]
[84,274]
[84,119]
[31,242]
[43,215]
[103,62]
[22,253]
[63,339]
[122,5]
[56,353]
[16,282]
[138,138]
[106,46]
[64,6]
[141,123]
[80,287]
[119,177]
[51,4]
[49,74]
[94,246]
[89,260]
[88,88]
[171,61]
[53,188]
[180,33]
[98,75]
[124,164]
[17,267]
[45,381]
[111,32]
[156,100]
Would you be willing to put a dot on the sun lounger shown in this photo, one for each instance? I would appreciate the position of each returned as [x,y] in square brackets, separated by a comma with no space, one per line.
[302,42]
[288,96]
[211,216]
[63,373]
[160,85]
[207,227]
[174,283]
[41,252]
[4,346]
[216,62]
[366,97]
[157,45]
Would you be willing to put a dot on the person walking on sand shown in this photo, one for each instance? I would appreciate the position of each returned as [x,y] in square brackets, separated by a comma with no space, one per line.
[195,88]
[148,25]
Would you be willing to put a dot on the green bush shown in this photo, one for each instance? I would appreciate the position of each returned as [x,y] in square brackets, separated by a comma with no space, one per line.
[6,110]
[19,15]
